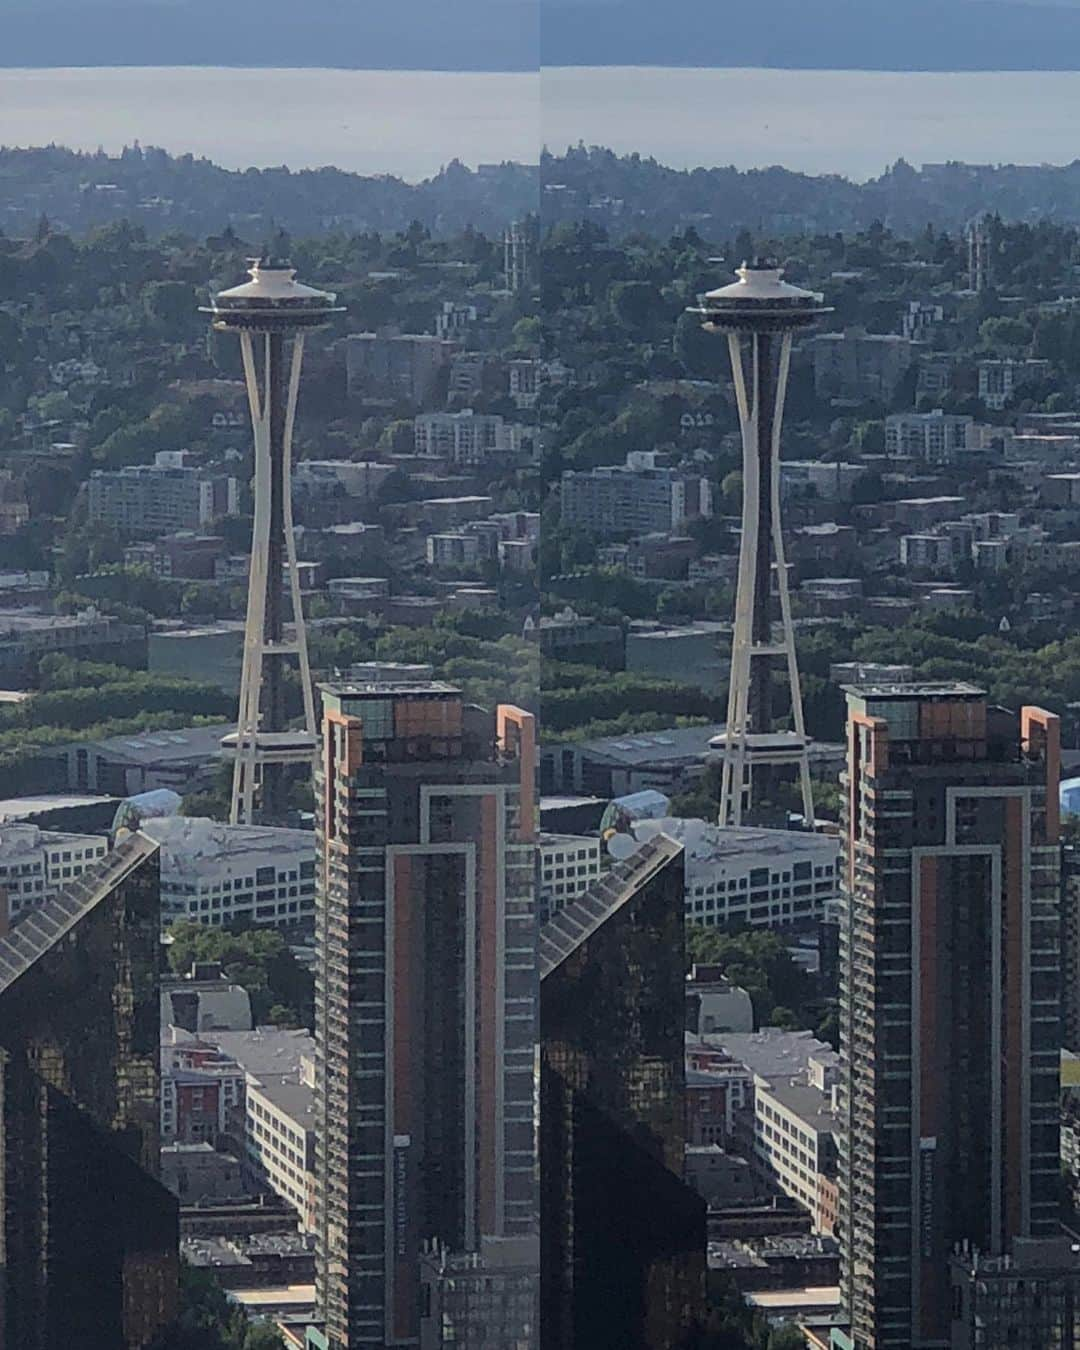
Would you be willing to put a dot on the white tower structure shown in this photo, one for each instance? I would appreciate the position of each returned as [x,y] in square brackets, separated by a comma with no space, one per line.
[516,257]
[268,312]
[760,313]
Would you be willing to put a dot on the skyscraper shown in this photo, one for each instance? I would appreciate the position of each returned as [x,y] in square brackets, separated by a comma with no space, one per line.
[268,311]
[88,1236]
[425,994]
[622,1236]
[950,1022]
[760,314]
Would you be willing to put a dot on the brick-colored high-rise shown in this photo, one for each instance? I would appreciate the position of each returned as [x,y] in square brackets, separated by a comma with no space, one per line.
[426,994]
[950,982]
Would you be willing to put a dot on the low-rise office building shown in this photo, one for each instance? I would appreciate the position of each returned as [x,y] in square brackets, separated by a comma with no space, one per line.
[764,878]
[568,864]
[35,864]
[218,874]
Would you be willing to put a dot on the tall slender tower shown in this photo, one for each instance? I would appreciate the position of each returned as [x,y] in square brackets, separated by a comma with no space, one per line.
[760,313]
[949,1017]
[268,311]
[426,995]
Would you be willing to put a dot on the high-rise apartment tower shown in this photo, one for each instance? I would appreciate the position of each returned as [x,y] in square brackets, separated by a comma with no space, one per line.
[426,995]
[267,312]
[949,999]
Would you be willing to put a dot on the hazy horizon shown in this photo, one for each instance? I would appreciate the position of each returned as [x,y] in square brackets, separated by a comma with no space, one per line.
[859,123]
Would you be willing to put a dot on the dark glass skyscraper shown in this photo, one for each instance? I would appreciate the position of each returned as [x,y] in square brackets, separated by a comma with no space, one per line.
[89,1237]
[622,1237]
[950,1016]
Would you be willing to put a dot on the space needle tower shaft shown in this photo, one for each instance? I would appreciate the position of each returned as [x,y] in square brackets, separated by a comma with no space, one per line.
[760,314]
[271,314]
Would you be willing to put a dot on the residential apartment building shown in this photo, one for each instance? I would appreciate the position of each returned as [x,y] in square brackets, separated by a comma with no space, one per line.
[454,550]
[159,498]
[280,1135]
[999,379]
[426,994]
[482,1298]
[862,367]
[928,553]
[795,1138]
[465,437]
[567,865]
[35,864]
[937,437]
[396,366]
[359,479]
[832,482]
[949,998]
[623,499]
[218,874]
[523,377]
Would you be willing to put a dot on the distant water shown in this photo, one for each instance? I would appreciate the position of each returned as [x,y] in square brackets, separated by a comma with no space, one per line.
[409,123]
[406,123]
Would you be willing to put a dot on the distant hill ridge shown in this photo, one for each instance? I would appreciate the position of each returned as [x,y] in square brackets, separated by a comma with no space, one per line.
[516,34]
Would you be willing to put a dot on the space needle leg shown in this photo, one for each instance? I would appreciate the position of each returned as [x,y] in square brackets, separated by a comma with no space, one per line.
[244,770]
[797,717]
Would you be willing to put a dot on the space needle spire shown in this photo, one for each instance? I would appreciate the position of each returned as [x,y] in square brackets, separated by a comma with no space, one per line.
[272,313]
[760,313]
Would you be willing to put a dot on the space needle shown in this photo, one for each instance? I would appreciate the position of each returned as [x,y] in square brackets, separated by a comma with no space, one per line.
[760,313]
[270,312]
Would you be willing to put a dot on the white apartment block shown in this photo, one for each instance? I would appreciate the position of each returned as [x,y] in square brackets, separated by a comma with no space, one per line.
[35,864]
[628,499]
[280,1136]
[568,864]
[765,878]
[466,437]
[216,874]
[160,498]
[999,379]
[524,379]
[795,1139]
[927,552]
[454,550]
[935,436]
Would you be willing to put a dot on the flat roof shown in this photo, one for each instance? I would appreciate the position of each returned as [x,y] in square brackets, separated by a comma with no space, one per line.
[652,747]
[956,689]
[289,1095]
[812,1297]
[809,1103]
[283,1295]
[265,1050]
[18,808]
[772,1052]
[155,747]
[706,842]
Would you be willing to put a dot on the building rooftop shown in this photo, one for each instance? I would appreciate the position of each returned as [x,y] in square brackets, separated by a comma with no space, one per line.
[807,1102]
[956,689]
[705,842]
[292,1097]
[653,747]
[266,1050]
[188,842]
[772,1053]
[157,747]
